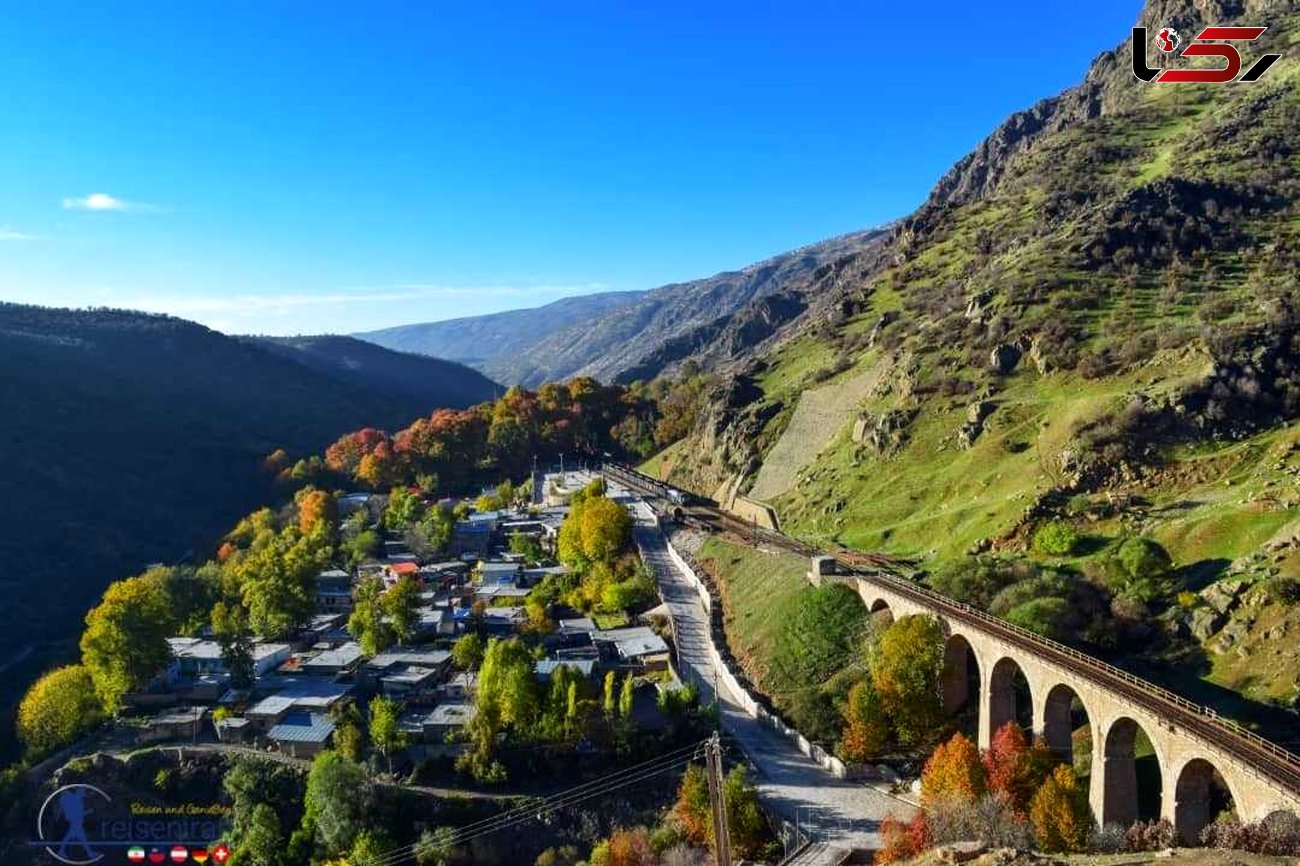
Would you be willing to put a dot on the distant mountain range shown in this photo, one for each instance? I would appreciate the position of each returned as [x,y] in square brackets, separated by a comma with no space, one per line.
[130,438]
[621,336]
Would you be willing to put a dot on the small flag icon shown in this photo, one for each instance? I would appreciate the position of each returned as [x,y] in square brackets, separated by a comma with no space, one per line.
[135,854]
[220,853]
[180,853]
[199,855]
[156,855]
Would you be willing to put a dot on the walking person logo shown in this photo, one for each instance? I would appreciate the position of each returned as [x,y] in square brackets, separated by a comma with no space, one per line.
[61,824]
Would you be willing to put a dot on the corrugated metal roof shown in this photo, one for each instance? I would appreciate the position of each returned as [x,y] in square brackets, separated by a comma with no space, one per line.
[303,728]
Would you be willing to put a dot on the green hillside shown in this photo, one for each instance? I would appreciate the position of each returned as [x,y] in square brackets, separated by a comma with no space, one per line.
[130,439]
[1094,323]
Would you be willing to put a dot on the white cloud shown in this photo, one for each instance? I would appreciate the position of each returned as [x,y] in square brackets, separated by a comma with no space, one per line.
[8,234]
[102,201]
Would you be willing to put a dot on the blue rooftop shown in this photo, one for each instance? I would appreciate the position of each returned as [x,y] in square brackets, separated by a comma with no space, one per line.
[303,728]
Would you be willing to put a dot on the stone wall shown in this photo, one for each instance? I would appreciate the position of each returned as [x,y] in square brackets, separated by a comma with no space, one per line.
[732,683]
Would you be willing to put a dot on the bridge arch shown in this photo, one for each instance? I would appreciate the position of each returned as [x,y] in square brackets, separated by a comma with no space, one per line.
[1010,697]
[1201,794]
[1133,788]
[1062,714]
[962,678]
[882,615]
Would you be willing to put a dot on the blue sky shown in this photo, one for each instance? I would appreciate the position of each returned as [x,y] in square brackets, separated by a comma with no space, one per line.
[304,167]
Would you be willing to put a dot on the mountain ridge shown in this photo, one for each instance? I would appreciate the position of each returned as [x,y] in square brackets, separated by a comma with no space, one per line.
[636,334]
[132,438]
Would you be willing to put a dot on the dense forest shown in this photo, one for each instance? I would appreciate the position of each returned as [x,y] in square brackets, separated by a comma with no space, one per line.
[131,438]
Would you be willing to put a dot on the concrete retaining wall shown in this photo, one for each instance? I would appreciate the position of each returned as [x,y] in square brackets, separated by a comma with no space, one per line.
[743,696]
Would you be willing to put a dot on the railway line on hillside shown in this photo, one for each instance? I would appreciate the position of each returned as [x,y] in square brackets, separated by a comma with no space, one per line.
[1265,757]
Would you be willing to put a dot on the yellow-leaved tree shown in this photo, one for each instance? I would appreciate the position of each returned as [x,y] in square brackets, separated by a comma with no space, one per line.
[1060,814]
[57,709]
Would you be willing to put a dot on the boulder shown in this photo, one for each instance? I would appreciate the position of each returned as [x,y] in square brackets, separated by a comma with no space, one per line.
[1205,621]
[1225,595]
[979,410]
[961,852]
[1003,359]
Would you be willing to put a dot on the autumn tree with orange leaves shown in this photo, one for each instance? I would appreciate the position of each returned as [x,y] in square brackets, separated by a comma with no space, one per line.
[1014,768]
[954,774]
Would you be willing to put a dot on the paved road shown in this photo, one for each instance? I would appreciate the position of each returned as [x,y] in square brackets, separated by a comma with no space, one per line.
[793,785]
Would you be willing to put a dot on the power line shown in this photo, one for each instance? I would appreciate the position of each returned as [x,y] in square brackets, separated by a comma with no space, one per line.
[530,812]
[569,797]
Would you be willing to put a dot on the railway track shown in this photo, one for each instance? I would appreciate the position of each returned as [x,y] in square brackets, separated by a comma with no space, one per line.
[1265,757]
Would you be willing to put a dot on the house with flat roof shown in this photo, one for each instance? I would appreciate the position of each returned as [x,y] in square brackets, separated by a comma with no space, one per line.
[494,573]
[411,673]
[434,622]
[333,591]
[176,723]
[450,717]
[503,620]
[332,662]
[637,645]
[302,735]
[459,687]
[546,667]
[298,695]
[197,657]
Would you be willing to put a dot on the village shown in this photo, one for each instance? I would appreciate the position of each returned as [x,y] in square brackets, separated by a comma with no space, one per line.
[474,589]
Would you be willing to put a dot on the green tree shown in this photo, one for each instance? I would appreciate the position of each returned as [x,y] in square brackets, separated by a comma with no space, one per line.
[1060,813]
[336,799]
[231,627]
[527,547]
[275,577]
[370,847]
[360,547]
[59,708]
[263,843]
[385,732]
[252,782]
[435,847]
[508,695]
[866,727]
[626,696]
[744,815]
[468,651]
[906,670]
[1056,538]
[404,509]
[611,698]
[401,603]
[606,529]
[125,645]
[367,623]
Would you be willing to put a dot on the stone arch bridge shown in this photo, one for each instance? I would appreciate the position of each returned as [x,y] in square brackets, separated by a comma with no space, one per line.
[1204,762]
[1151,753]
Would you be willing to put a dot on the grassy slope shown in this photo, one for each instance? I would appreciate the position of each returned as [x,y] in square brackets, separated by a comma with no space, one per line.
[760,589]
[1210,504]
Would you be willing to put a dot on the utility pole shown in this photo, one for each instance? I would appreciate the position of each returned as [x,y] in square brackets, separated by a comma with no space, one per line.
[717,800]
